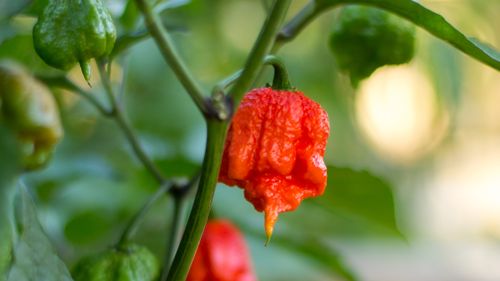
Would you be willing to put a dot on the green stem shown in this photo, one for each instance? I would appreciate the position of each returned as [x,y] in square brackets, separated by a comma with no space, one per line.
[169,52]
[220,87]
[139,216]
[175,234]
[64,83]
[216,132]
[296,24]
[280,80]
[263,45]
[117,113]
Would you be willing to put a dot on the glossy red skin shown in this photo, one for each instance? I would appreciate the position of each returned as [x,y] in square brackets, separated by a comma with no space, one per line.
[275,149]
[222,255]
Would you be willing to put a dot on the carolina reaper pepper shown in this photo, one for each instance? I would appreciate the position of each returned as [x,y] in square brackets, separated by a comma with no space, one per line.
[274,151]
[222,255]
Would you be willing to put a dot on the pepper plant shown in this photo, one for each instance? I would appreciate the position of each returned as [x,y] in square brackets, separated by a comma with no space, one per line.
[269,140]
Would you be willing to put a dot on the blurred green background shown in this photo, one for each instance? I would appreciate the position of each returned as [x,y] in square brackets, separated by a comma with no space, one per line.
[414,152]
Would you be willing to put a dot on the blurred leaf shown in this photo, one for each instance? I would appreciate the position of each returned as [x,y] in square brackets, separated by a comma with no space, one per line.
[166,5]
[87,227]
[9,8]
[8,174]
[360,194]
[130,15]
[34,257]
[430,21]
[127,40]
[20,48]
[311,248]
[36,7]
[178,167]
[316,251]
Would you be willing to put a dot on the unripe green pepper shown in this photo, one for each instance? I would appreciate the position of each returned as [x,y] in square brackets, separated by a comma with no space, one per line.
[127,263]
[74,31]
[28,108]
[366,38]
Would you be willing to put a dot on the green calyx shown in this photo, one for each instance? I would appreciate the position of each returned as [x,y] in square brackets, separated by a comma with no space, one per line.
[366,38]
[280,79]
[74,31]
[127,263]
[28,108]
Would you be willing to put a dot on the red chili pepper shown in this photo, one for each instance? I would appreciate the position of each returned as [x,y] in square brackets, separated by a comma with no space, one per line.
[222,255]
[274,151]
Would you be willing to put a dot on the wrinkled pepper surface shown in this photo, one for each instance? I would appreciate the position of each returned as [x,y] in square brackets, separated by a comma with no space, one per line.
[222,255]
[274,151]
[366,38]
[128,263]
[29,110]
[74,31]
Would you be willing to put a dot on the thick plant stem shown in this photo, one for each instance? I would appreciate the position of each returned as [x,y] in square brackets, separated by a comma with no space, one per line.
[216,132]
[164,43]
[175,234]
[139,216]
[117,113]
[264,43]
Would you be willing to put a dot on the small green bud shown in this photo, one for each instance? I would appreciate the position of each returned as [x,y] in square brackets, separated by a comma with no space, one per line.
[365,38]
[127,263]
[74,31]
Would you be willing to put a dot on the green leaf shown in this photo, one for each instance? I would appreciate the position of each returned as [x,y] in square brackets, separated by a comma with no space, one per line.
[127,40]
[34,258]
[310,248]
[317,251]
[360,195]
[87,227]
[20,48]
[428,20]
[8,174]
[35,8]
[9,8]
[130,15]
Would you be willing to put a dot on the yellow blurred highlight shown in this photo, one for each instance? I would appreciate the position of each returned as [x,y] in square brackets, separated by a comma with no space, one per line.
[463,200]
[398,113]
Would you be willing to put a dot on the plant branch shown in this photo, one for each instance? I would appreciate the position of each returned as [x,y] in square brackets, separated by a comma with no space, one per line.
[408,9]
[176,230]
[220,87]
[216,133]
[117,114]
[64,83]
[169,52]
[139,216]
[263,45]
[296,25]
